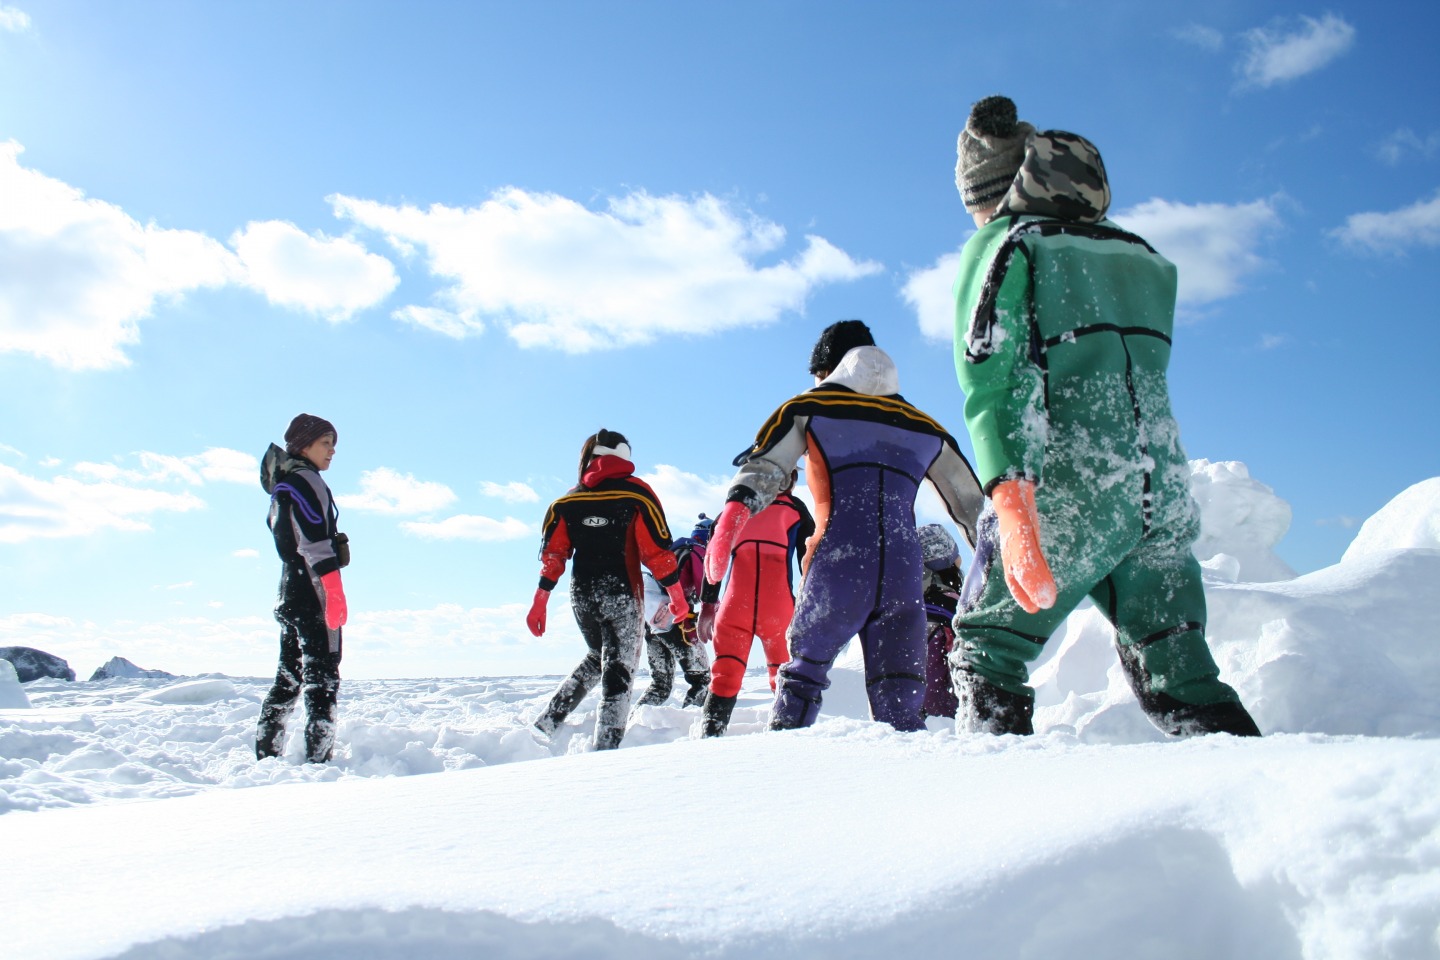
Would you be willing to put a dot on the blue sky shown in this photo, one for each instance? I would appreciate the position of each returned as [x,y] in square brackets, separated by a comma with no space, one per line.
[470,234]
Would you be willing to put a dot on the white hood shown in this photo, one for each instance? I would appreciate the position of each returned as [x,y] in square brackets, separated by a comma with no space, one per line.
[867,370]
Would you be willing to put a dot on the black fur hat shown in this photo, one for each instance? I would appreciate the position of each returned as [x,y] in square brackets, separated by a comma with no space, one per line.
[837,340]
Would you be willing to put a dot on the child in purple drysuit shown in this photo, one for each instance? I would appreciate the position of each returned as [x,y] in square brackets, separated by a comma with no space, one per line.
[867,451]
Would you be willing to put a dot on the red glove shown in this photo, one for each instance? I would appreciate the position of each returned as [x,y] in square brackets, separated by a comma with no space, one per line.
[705,623]
[1026,572]
[535,619]
[336,612]
[722,540]
[679,606]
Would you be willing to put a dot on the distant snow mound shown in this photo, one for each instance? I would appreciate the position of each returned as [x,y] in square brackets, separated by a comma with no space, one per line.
[1241,521]
[193,691]
[12,695]
[32,664]
[118,668]
[1410,520]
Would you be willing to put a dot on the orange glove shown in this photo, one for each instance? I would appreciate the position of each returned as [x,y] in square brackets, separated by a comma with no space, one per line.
[722,539]
[1026,572]
[535,619]
[336,612]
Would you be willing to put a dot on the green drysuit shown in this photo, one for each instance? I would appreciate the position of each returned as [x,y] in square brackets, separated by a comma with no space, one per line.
[1063,333]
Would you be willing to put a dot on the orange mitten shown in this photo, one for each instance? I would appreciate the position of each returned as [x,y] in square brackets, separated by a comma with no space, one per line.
[1026,572]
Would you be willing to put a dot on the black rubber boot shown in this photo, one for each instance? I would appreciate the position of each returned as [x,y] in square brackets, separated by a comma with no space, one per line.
[985,708]
[270,732]
[699,690]
[716,717]
[320,721]
[1190,720]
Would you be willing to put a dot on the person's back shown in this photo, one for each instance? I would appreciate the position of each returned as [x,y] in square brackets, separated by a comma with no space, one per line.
[867,450]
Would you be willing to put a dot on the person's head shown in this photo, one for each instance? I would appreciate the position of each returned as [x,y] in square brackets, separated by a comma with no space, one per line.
[989,152]
[701,533]
[835,341]
[601,443]
[313,438]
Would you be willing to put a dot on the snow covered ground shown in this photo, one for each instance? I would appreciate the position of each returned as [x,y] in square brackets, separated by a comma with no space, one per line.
[1096,837]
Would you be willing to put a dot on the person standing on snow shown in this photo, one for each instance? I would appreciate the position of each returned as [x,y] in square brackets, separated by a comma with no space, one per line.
[759,600]
[1063,335]
[611,522]
[311,605]
[668,641]
[867,451]
[942,582]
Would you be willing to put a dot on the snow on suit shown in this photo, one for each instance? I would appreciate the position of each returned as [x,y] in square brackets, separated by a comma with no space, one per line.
[1063,337]
[302,520]
[610,523]
[867,450]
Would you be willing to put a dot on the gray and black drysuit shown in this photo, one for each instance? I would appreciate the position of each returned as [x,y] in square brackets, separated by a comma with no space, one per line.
[302,520]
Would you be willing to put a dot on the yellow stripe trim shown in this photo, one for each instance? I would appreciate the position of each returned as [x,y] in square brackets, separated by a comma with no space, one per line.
[656,516]
[836,398]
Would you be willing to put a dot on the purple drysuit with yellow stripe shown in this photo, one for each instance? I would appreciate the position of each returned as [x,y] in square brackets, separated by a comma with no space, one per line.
[867,451]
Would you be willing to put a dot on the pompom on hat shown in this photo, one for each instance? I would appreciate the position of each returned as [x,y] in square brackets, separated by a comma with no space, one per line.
[304,430]
[989,152]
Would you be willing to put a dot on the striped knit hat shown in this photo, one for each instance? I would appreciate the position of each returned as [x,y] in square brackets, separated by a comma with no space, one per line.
[989,152]
[304,430]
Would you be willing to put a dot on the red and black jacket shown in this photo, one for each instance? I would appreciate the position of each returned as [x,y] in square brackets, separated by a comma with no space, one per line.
[611,522]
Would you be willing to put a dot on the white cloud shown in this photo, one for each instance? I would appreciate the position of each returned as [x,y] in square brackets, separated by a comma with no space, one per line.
[1396,231]
[332,277]
[1272,341]
[470,527]
[14,19]
[1198,35]
[31,508]
[1403,142]
[444,322]
[687,495]
[642,267]
[1279,53]
[1212,244]
[216,464]
[245,553]
[928,292]
[387,491]
[513,492]
[81,273]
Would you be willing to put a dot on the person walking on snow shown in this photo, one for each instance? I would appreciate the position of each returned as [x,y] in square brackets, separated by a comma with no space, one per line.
[758,600]
[1063,336]
[867,451]
[311,605]
[942,583]
[610,522]
[668,641]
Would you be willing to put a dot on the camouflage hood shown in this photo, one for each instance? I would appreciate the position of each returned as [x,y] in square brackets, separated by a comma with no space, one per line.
[1062,176]
[276,464]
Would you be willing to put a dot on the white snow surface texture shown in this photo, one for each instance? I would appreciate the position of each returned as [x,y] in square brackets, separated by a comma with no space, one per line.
[124,834]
